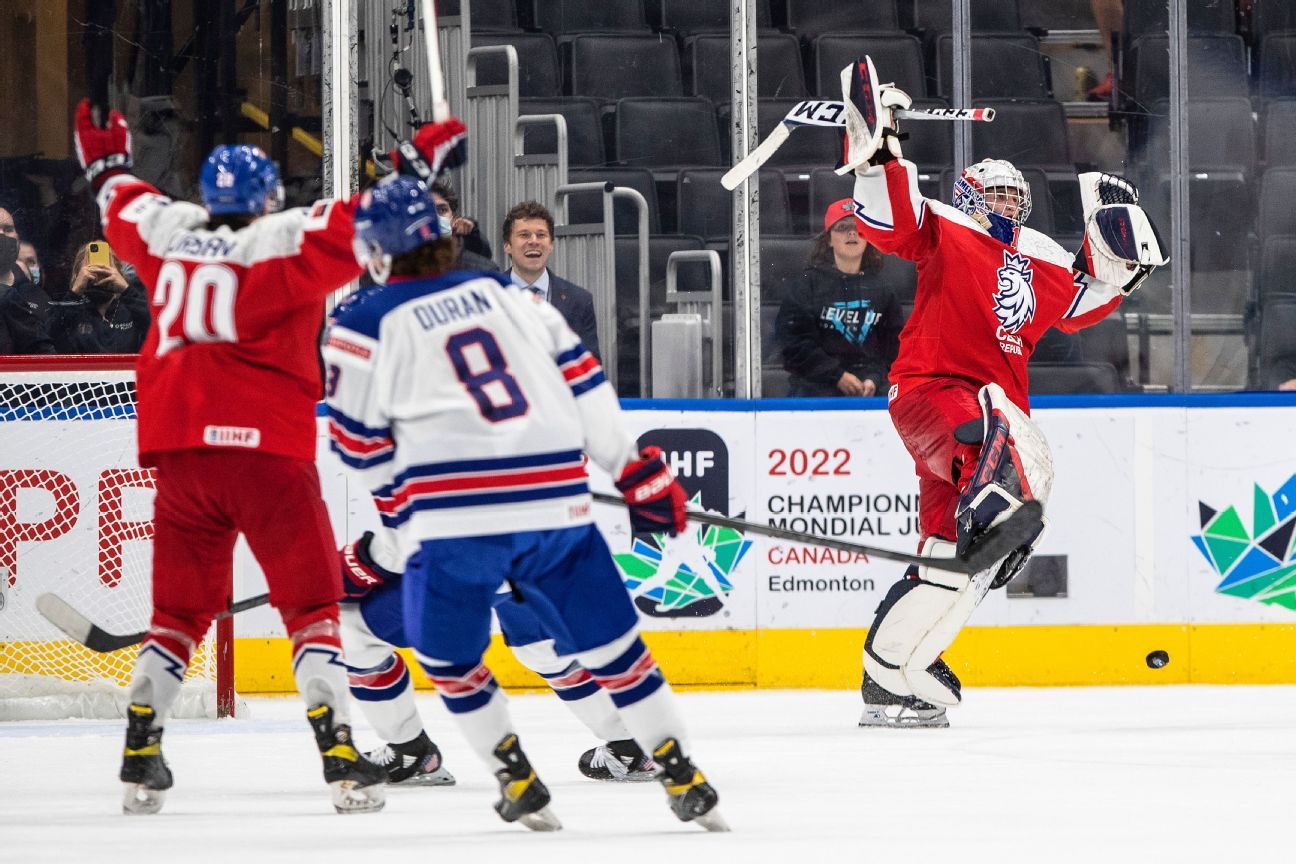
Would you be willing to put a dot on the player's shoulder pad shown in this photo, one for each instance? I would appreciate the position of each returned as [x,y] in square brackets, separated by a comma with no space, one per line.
[1039,245]
[364,311]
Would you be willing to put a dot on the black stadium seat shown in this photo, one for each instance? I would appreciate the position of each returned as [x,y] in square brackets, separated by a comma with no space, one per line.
[935,15]
[1278,65]
[1004,66]
[1271,16]
[586,208]
[537,63]
[897,57]
[1074,378]
[1217,68]
[667,133]
[1221,217]
[1278,265]
[583,16]
[1277,338]
[808,148]
[931,144]
[1279,133]
[706,207]
[811,18]
[584,129]
[783,259]
[495,16]
[1205,17]
[1277,194]
[1222,134]
[779,67]
[688,17]
[616,66]
[1025,132]
[1108,342]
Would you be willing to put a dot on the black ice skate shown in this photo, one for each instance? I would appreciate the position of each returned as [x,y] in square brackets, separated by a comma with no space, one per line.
[884,708]
[355,782]
[691,797]
[620,761]
[413,763]
[523,798]
[144,772]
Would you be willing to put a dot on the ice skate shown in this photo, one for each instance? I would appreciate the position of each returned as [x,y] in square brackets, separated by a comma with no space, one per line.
[691,797]
[356,783]
[523,798]
[144,772]
[619,761]
[413,763]
[884,708]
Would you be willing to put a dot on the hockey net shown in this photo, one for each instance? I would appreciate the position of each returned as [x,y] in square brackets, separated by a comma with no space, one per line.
[76,520]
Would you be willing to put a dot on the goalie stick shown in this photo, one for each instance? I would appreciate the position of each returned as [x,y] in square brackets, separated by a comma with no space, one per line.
[1017,529]
[818,112]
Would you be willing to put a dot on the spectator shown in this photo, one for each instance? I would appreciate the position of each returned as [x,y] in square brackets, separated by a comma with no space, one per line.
[474,250]
[837,331]
[102,312]
[24,308]
[29,261]
[528,241]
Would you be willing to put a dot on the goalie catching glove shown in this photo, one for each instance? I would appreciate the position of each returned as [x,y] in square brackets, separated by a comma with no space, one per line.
[102,150]
[1121,245]
[870,121]
[360,573]
[436,147]
[654,497]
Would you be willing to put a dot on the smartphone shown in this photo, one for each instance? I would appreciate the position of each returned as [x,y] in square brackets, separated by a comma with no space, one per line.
[99,253]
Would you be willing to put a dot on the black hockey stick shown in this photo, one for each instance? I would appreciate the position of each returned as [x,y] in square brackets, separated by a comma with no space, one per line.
[1016,530]
[61,614]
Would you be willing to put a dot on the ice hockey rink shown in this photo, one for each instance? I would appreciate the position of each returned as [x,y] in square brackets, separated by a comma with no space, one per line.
[1145,774]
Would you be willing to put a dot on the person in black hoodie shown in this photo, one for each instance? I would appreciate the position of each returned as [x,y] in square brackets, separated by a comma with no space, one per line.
[838,332]
[103,312]
[24,307]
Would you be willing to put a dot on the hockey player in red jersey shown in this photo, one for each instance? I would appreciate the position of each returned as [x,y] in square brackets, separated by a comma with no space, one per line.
[988,289]
[227,381]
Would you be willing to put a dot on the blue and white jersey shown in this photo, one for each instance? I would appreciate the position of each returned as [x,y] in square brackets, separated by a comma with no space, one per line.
[467,406]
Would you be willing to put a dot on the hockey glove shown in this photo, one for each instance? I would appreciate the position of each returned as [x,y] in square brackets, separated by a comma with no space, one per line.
[655,498]
[436,147]
[360,574]
[102,151]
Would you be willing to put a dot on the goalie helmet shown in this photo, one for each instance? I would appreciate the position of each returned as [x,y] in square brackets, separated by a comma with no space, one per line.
[996,195]
[240,179]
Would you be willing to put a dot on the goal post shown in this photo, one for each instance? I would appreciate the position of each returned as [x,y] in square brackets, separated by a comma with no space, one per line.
[76,519]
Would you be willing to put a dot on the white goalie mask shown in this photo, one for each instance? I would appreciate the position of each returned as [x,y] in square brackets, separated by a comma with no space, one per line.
[996,195]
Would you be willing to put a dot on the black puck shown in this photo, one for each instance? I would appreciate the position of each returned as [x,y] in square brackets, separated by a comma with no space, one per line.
[1157,659]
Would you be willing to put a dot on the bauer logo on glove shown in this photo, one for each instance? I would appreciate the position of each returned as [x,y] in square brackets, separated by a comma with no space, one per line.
[654,497]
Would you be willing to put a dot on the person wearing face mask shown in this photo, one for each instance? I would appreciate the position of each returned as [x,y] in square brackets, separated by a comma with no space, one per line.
[24,308]
[474,250]
[29,261]
[837,329]
[102,311]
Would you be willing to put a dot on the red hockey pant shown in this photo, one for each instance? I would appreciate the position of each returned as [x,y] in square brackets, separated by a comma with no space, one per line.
[205,499]
[926,417]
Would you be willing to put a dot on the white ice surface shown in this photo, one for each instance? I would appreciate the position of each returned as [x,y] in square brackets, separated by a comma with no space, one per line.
[1167,774]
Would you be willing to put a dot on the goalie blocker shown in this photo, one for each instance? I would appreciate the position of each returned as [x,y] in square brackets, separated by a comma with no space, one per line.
[920,616]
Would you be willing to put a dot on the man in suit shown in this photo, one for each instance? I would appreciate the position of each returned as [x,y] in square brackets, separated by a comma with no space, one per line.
[528,241]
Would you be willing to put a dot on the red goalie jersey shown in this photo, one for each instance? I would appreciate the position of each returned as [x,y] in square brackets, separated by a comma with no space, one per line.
[232,358]
[981,305]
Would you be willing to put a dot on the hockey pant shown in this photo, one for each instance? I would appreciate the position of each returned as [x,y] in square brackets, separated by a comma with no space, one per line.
[380,680]
[205,499]
[923,613]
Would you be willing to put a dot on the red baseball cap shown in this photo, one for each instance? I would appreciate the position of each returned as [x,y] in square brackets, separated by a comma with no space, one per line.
[837,211]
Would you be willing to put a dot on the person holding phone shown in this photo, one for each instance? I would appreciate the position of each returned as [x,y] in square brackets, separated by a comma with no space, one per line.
[102,312]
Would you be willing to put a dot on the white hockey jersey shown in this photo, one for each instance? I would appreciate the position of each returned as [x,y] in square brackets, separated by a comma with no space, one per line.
[467,406]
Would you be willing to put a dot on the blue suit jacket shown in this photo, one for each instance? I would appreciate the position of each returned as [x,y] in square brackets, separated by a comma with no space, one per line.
[577,306]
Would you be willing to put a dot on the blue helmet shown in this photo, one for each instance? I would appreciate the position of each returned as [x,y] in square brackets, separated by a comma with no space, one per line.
[240,178]
[396,215]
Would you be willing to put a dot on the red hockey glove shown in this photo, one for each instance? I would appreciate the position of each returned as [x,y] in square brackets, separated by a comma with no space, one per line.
[360,574]
[104,151]
[655,498]
[436,147]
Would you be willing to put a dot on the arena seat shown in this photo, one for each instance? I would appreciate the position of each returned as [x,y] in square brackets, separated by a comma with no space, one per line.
[1277,273]
[584,129]
[537,62]
[1277,192]
[586,208]
[897,57]
[811,18]
[1217,68]
[494,16]
[934,15]
[1270,16]
[1205,17]
[783,259]
[610,67]
[1073,378]
[1025,132]
[582,16]
[1004,66]
[667,133]
[690,17]
[1278,65]
[1277,339]
[778,59]
[807,149]
[1108,342]
[706,207]
[1279,133]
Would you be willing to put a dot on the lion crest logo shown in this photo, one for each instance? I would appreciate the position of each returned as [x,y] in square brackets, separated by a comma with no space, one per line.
[1014,294]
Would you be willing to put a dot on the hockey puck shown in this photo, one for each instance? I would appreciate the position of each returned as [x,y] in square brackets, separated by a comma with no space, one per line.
[1157,659]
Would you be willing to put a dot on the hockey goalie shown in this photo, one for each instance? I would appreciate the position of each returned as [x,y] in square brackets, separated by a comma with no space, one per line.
[988,289]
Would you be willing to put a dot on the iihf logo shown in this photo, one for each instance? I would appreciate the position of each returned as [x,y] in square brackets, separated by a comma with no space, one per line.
[1014,295]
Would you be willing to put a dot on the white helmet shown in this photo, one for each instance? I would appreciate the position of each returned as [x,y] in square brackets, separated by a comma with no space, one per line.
[996,195]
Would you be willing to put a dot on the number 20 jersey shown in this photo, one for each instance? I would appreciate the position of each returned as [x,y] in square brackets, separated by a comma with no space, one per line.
[232,357]
[466,404]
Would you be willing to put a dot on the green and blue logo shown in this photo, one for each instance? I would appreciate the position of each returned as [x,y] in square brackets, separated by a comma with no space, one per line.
[1256,563]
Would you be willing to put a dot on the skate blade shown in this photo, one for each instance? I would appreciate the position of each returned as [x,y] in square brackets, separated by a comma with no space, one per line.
[439,777]
[348,797]
[541,820]
[873,719]
[712,821]
[140,800]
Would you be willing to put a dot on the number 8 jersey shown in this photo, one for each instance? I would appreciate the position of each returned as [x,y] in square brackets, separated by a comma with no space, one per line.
[467,404]
[232,357]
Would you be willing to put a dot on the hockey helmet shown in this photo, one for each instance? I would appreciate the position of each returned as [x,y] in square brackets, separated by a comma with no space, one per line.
[392,218]
[240,179]
[996,195]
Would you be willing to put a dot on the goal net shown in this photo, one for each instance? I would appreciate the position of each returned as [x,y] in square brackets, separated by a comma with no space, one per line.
[76,516]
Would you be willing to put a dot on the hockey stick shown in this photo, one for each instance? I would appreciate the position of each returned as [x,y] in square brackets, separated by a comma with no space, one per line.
[432,44]
[59,613]
[827,113]
[1015,531]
